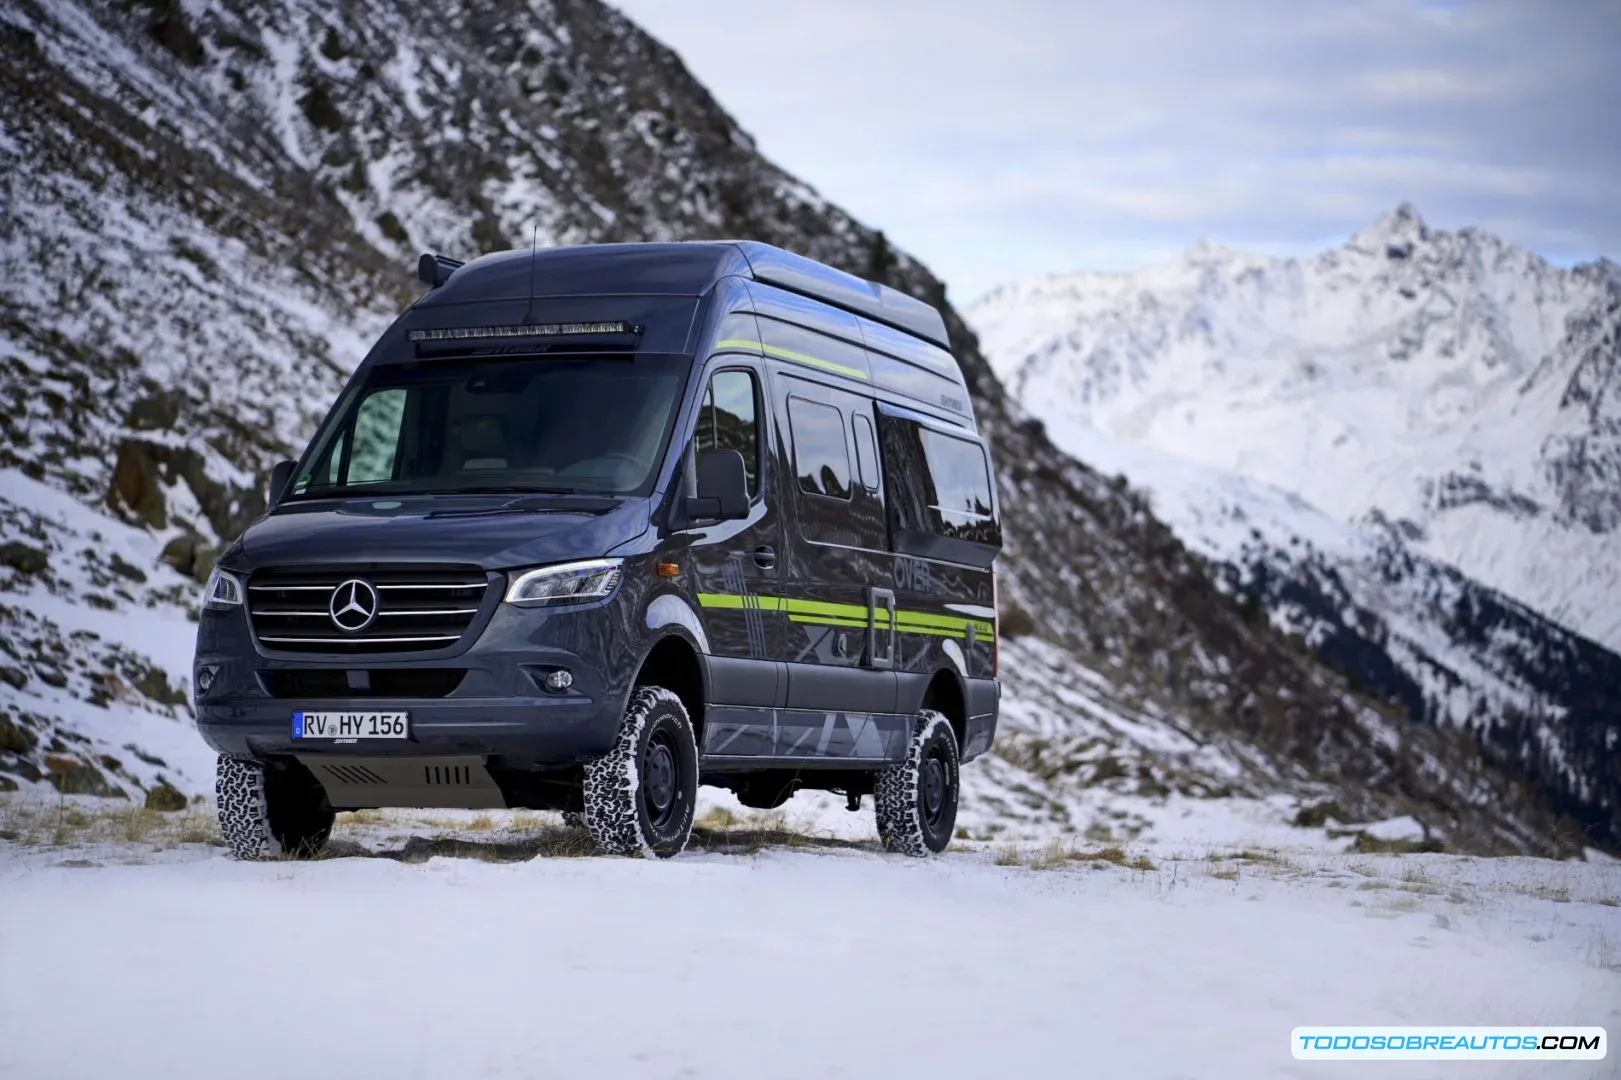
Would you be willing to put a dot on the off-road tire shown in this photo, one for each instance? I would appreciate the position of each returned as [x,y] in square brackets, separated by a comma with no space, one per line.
[915,802]
[619,791]
[573,819]
[271,813]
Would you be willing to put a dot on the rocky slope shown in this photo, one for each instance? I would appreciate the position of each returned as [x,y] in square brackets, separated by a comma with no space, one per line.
[206,210]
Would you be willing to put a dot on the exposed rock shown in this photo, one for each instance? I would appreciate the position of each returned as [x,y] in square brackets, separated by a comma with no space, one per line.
[135,489]
[158,411]
[1320,814]
[150,759]
[181,553]
[21,767]
[153,682]
[165,797]
[202,562]
[7,783]
[124,568]
[73,777]
[15,738]
[25,559]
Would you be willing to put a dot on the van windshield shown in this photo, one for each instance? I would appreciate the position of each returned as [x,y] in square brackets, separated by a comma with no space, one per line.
[595,424]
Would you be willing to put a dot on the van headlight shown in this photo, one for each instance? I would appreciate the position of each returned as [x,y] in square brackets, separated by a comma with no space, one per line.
[565,583]
[222,591]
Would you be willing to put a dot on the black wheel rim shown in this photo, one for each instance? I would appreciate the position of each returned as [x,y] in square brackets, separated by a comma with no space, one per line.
[661,775]
[933,789]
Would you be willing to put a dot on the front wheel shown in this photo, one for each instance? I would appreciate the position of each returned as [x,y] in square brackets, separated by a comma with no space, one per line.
[269,813]
[916,801]
[640,796]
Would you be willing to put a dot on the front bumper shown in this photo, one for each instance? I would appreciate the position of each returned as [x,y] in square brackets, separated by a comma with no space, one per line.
[499,710]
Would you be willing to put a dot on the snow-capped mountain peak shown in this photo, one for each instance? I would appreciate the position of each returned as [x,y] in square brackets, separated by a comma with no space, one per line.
[1407,450]
[1444,379]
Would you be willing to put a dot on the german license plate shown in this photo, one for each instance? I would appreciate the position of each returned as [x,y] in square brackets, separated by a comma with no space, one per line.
[351,725]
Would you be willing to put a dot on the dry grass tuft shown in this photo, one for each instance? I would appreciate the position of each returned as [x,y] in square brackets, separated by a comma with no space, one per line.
[1114,855]
[73,822]
[1009,855]
[716,819]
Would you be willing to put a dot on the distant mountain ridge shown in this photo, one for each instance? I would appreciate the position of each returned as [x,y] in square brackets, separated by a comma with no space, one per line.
[1343,436]
[1450,384]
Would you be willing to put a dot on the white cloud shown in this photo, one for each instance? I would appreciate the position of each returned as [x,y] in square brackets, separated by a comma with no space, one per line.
[1029,136]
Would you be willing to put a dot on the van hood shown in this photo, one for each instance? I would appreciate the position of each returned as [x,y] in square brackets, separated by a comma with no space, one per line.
[499,532]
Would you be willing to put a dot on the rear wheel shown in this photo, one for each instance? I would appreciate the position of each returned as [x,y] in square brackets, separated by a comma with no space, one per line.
[269,813]
[639,797]
[916,801]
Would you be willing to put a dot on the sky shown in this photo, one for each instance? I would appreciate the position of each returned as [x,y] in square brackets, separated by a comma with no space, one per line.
[1008,138]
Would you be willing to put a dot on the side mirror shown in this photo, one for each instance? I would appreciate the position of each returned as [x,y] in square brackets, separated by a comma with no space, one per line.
[280,477]
[723,487]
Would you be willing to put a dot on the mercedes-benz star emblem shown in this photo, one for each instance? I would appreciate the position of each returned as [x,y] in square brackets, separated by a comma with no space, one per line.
[353,605]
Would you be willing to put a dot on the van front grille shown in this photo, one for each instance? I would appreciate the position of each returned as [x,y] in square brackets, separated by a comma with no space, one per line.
[359,610]
[306,683]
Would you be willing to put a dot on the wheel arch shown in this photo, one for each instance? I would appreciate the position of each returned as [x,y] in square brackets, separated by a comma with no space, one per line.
[673,663]
[946,695]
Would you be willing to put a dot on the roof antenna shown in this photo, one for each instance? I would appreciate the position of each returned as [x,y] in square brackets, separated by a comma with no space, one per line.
[534,242]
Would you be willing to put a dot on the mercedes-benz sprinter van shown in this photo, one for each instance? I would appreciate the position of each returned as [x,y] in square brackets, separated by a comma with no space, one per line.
[592,526]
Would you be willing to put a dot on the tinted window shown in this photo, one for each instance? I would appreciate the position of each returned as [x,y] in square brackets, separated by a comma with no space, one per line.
[937,484]
[960,481]
[821,456]
[726,420]
[597,424]
[866,453]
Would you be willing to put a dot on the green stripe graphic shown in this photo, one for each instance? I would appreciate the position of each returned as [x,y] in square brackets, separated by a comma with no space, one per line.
[789,354]
[826,613]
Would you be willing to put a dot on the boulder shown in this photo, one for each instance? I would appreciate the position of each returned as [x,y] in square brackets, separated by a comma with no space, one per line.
[73,777]
[165,797]
[14,737]
[23,558]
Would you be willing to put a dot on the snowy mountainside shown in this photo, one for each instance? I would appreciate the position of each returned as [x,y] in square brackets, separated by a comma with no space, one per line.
[1447,382]
[1407,627]
[206,212]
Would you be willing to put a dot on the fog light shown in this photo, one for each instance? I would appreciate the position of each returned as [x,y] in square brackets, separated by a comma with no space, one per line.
[561,679]
[205,677]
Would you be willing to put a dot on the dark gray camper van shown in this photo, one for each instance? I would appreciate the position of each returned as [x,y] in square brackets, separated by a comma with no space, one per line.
[592,526]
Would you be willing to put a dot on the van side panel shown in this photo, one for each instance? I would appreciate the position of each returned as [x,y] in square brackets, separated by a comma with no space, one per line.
[840,703]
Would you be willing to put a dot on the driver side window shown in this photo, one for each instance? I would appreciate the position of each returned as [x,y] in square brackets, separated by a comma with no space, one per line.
[727,421]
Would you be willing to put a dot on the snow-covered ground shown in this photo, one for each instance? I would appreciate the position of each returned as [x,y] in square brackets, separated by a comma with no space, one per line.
[473,945]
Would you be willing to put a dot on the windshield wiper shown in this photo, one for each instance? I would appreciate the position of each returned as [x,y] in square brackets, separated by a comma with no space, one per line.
[538,500]
[501,489]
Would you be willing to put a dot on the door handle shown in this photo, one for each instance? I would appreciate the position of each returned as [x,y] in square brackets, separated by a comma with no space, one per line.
[765,556]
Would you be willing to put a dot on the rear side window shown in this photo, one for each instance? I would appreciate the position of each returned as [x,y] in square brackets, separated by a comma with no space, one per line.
[726,421]
[939,493]
[821,455]
[959,483]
